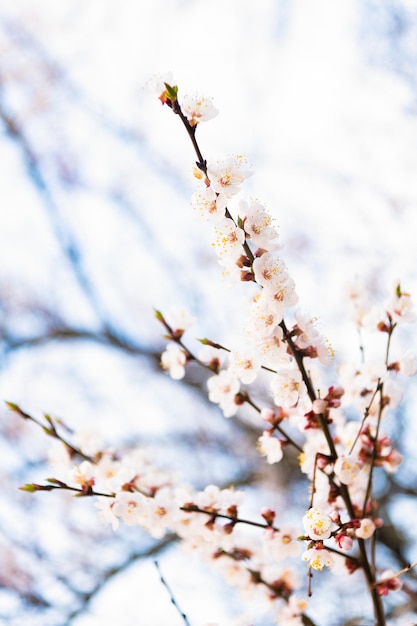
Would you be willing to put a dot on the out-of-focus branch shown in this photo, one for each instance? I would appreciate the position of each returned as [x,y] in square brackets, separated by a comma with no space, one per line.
[127,134]
[106,337]
[62,233]
[85,599]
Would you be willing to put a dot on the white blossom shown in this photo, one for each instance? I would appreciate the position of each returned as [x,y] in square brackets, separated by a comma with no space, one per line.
[173,359]
[207,354]
[318,558]
[229,238]
[244,364]
[315,443]
[227,175]
[181,319]
[232,271]
[105,512]
[156,83]
[208,204]
[82,474]
[222,389]
[128,506]
[366,529]
[158,513]
[112,474]
[212,497]
[88,440]
[270,271]
[287,386]
[400,305]
[266,314]
[270,447]
[290,613]
[347,469]
[317,525]
[273,350]
[59,458]
[408,363]
[198,108]
[359,302]
[280,544]
[258,225]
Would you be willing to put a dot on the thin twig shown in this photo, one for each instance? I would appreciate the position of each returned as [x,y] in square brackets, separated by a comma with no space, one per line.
[366,414]
[193,508]
[171,595]
[397,574]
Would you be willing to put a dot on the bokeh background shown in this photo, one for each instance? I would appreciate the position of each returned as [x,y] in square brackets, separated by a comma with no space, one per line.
[96,231]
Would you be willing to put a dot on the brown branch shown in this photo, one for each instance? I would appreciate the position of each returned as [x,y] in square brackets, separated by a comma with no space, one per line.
[369,576]
[193,508]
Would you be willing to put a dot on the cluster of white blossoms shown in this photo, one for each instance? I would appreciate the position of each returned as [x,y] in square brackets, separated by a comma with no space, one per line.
[337,433]
[196,108]
[335,452]
[129,488]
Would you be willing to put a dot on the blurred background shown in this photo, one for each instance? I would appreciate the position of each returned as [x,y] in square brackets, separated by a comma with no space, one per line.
[96,231]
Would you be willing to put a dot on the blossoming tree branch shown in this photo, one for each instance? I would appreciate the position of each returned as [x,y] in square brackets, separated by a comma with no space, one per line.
[336,430]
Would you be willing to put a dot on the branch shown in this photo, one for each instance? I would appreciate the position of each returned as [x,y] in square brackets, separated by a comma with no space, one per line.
[193,508]
[171,595]
[112,572]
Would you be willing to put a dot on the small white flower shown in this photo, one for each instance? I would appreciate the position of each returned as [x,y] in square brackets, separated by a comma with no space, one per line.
[208,204]
[228,174]
[282,543]
[408,364]
[82,474]
[105,512]
[315,443]
[219,499]
[366,529]
[158,513]
[129,507]
[400,306]
[198,109]
[181,319]
[89,441]
[173,360]
[290,613]
[318,558]
[59,457]
[232,271]
[223,388]
[360,307]
[111,474]
[270,271]
[392,393]
[229,238]
[287,386]
[265,316]
[244,365]
[209,355]
[347,469]
[156,83]
[257,224]
[273,350]
[317,525]
[270,447]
